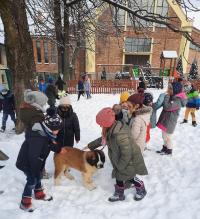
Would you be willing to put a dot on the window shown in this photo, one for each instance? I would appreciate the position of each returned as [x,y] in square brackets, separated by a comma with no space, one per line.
[53,53]
[146,6]
[120,14]
[137,45]
[192,46]
[38,48]
[46,53]
[162,9]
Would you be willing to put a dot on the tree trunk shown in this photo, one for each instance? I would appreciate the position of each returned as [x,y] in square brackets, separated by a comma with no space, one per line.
[19,49]
[66,43]
[59,35]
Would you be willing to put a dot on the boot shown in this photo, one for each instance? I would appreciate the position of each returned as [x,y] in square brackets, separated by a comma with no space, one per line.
[26,204]
[167,152]
[40,195]
[118,194]
[194,123]
[162,150]
[140,192]
[184,121]
[2,129]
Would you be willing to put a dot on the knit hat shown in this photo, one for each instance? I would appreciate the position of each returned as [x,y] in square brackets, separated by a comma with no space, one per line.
[136,99]
[50,80]
[65,101]
[35,98]
[53,122]
[105,117]
[124,96]
[177,88]
[148,98]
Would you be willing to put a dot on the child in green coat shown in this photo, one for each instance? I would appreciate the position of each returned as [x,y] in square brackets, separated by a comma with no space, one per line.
[124,154]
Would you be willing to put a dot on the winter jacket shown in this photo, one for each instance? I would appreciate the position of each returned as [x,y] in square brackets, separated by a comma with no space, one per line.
[87,85]
[139,125]
[30,115]
[124,154]
[7,103]
[193,99]
[51,93]
[80,85]
[34,151]
[157,105]
[170,113]
[42,87]
[70,130]
[60,83]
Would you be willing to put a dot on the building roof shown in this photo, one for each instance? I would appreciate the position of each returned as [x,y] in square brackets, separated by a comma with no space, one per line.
[169,54]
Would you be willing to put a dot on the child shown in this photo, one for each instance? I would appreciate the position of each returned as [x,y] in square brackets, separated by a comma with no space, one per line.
[80,88]
[140,119]
[42,86]
[148,101]
[7,104]
[71,128]
[39,141]
[173,101]
[51,92]
[192,104]
[125,155]
[87,86]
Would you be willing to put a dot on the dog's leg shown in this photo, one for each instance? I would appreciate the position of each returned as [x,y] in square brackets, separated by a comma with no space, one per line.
[58,172]
[87,181]
[67,174]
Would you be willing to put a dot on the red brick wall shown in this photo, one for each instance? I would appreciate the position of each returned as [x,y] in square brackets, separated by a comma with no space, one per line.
[44,67]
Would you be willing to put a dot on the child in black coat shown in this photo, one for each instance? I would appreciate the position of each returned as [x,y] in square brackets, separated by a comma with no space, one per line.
[39,141]
[7,104]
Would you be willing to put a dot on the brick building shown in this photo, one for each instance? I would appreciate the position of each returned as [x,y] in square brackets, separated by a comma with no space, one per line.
[131,47]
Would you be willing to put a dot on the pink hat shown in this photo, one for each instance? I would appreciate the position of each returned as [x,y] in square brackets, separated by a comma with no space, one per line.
[105,117]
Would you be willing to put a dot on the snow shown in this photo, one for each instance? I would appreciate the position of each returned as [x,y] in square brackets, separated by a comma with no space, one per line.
[173,183]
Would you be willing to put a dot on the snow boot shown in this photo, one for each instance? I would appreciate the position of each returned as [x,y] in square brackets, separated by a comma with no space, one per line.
[2,129]
[40,195]
[184,121]
[162,150]
[194,123]
[26,204]
[140,192]
[118,194]
[167,152]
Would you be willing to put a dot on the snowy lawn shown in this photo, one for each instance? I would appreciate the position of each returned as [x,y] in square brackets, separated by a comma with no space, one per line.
[173,183]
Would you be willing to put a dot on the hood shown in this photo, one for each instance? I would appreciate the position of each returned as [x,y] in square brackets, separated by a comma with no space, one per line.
[144,113]
[182,97]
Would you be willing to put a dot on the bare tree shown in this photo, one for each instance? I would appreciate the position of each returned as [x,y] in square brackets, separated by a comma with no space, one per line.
[18,45]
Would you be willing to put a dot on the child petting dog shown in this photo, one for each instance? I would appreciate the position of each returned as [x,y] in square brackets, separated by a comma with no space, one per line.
[39,141]
[125,155]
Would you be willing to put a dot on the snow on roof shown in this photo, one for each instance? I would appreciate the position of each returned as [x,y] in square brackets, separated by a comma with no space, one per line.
[169,54]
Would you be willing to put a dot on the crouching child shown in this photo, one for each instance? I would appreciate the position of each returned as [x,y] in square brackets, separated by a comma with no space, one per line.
[39,141]
[124,154]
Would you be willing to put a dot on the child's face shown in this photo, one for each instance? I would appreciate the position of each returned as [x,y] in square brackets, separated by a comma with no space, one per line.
[55,132]
[132,107]
[124,105]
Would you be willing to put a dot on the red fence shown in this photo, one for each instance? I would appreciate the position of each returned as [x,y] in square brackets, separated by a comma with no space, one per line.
[105,86]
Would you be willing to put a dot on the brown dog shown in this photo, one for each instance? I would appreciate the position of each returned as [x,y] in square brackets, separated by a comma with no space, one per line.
[87,162]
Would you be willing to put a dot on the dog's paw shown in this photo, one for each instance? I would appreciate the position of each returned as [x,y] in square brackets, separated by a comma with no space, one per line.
[57,182]
[90,186]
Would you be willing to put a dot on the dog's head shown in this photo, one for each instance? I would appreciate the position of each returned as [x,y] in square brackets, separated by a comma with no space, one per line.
[96,158]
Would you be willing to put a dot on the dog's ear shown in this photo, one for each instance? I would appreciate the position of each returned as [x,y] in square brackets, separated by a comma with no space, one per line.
[102,155]
[91,158]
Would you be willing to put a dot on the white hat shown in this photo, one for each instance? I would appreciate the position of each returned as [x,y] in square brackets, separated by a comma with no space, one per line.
[65,101]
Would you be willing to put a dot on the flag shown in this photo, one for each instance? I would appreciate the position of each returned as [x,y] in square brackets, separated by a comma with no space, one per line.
[179,66]
[193,70]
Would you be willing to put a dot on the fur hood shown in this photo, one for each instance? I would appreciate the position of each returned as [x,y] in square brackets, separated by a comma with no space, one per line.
[143,110]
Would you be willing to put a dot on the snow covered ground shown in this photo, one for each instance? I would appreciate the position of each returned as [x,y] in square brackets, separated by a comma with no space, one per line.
[173,183]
